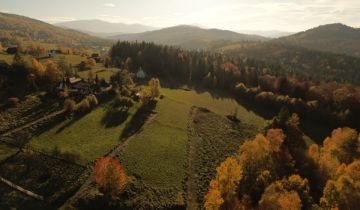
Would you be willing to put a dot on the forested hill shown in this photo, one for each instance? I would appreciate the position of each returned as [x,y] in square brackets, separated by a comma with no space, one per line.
[188,37]
[337,38]
[310,64]
[15,26]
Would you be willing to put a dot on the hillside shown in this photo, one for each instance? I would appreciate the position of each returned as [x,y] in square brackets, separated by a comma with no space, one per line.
[337,38]
[16,26]
[321,66]
[103,28]
[189,37]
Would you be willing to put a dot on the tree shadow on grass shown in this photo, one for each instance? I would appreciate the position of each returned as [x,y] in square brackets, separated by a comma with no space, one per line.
[138,120]
[113,117]
[74,119]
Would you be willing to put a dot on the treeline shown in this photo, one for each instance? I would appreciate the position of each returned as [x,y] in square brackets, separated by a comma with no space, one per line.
[276,170]
[305,63]
[265,83]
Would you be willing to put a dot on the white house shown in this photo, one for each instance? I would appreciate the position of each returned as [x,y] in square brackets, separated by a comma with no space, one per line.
[141,74]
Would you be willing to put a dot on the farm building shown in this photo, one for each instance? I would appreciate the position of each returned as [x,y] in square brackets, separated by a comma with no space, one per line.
[75,85]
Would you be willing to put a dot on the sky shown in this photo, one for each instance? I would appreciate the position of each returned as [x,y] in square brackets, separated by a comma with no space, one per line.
[236,15]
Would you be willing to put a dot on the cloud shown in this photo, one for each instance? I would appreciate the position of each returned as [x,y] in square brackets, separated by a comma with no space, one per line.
[109,5]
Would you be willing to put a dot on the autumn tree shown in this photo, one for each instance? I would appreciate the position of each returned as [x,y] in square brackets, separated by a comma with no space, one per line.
[38,67]
[36,50]
[343,192]
[2,49]
[52,75]
[154,84]
[144,98]
[110,177]
[262,161]
[69,106]
[288,193]
[222,190]
[342,147]
[91,62]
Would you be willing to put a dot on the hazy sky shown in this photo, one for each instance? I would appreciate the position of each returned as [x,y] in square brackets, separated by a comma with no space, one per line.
[286,15]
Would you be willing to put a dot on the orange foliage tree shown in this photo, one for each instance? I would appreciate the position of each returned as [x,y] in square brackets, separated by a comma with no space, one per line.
[110,176]
[291,193]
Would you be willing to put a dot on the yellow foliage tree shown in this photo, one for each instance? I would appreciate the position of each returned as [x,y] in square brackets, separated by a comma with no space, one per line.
[91,62]
[39,68]
[154,84]
[344,191]
[228,176]
[53,74]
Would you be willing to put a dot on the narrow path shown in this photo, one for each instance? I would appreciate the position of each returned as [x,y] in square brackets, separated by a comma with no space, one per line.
[191,187]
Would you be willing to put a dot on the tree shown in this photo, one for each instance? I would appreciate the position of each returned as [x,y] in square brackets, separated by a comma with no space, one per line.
[91,62]
[276,138]
[342,147]
[52,75]
[1,48]
[343,192]
[85,105]
[20,46]
[39,68]
[228,176]
[213,198]
[35,50]
[93,101]
[291,193]
[69,106]
[144,98]
[110,177]
[154,84]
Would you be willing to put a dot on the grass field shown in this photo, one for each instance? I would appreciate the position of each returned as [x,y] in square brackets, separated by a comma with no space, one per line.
[6,151]
[89,136]
[158,154]
[102,72]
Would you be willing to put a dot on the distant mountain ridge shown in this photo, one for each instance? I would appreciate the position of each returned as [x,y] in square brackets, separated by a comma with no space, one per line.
[337,38]
[12,25]
[103,28]
[188,37]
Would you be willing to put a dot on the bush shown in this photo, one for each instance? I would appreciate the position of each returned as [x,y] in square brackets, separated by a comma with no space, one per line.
[13,101]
